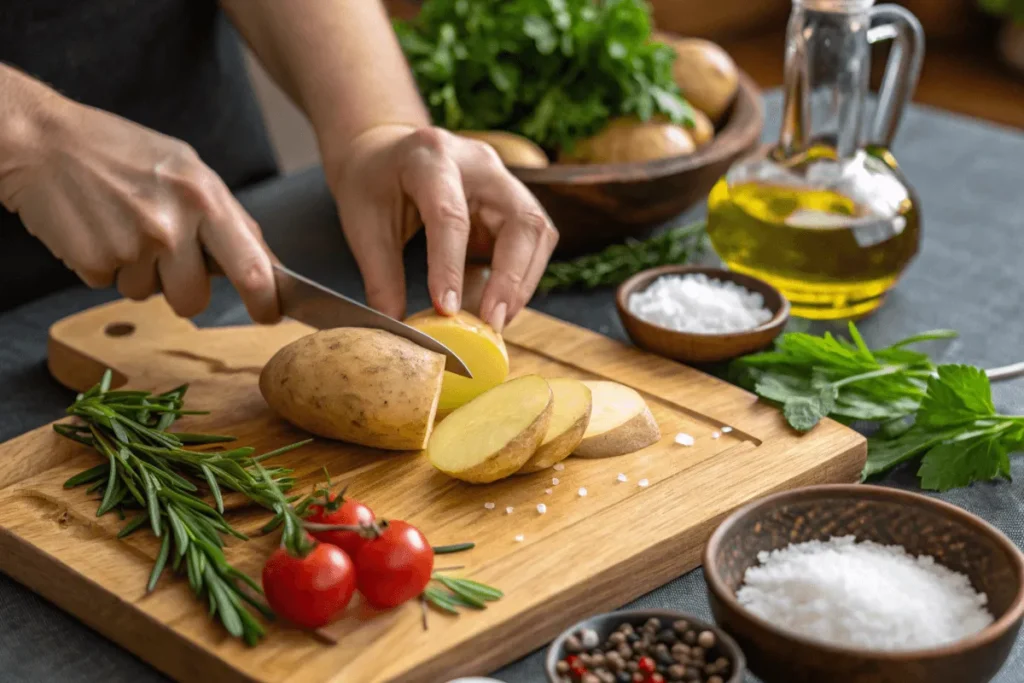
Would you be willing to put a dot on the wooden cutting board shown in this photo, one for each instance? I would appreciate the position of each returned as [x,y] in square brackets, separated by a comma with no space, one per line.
[586,555]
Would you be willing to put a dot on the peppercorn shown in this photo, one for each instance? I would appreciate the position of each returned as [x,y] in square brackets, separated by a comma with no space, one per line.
[590,678]
[715,679]
[676,672]
[667,636]
[706,639]
[655,678]
[606,676]
[578,670]
[692,673]
[626,652]
[681,626]
[646,664]
[664,658]
[626,628]
[632,637]
[562,667]
[624,677]
[639,677]
[690,638]
[615,661]
[710,669]
[640,647]
[680,649]
[696,653]
[573,644]
[597,660]
[722,663]
[653,622]
[617,638]
[585,659]
[632,666]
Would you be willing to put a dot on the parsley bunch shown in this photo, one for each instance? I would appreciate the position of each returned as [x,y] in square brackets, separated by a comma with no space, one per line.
[944,414]
[554,71]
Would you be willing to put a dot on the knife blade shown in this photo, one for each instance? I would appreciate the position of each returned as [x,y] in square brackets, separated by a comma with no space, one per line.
[311,303]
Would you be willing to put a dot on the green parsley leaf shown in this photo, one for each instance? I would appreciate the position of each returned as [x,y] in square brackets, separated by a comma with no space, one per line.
[960,393]
[961,463]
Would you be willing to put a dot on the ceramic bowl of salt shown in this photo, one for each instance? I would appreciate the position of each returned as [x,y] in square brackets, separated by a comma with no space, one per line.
[865,584]
[700,314]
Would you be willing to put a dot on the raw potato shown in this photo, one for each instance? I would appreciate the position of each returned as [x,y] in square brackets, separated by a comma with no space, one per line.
[620,422]
[367,387]
[706,75]
[514,150]
[479,347]
[626,140]
[570,416]
[493,435]
[703,130]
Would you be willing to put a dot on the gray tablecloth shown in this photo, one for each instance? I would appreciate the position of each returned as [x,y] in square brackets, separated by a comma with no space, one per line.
[970,177]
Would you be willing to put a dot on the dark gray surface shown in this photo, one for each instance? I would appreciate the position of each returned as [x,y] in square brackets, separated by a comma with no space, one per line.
[971,181]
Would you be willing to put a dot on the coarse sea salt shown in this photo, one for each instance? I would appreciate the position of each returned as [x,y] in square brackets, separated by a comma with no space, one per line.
[697,303]
[684,439]
[863,595]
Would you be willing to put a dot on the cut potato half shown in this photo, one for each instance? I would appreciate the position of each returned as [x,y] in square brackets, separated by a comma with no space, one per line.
[570,416]
[479,347]
[493,435]
[368,387]
[620,422]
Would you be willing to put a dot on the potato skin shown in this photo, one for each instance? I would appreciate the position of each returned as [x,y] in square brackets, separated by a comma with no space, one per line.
[511,457]
[706,75]
[367,387]
[514,150]
[626,140]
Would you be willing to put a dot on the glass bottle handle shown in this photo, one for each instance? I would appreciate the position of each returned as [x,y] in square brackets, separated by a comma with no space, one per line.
[892,22]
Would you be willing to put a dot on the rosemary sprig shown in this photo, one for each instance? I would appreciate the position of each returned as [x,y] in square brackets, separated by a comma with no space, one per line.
[454,548]
[458,592]
[618,262]
[149,471]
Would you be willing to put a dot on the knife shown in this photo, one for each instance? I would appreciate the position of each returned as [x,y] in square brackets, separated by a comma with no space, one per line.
[311,303]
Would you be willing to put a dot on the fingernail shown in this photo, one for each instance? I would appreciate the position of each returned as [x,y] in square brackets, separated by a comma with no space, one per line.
[450,302]
[497,319]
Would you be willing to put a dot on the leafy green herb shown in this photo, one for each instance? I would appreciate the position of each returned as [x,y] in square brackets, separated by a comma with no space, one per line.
[149,472]
[554,71]
[454,548]
[459,593]
[814,377]
[944,415]
[619,262]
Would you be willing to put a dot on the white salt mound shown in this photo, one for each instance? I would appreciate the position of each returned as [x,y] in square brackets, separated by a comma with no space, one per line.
[863,595]
[697,303]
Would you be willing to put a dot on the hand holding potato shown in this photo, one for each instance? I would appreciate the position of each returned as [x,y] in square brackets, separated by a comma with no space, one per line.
[468,202]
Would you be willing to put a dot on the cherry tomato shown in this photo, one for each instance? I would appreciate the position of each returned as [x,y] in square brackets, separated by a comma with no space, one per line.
[309,591]
[349,513]
[395,566]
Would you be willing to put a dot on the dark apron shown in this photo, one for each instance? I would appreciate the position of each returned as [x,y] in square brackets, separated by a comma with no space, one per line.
[173,65]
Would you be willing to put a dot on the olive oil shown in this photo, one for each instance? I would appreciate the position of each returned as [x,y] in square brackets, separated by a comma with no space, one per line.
[825,214]
[833,254]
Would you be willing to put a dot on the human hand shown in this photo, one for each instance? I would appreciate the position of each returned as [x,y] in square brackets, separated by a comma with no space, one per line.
[467,201]
[116,201]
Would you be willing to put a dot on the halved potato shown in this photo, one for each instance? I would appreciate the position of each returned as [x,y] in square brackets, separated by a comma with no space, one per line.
[569,418]
[368,387]
[479,347]
[620,422]
[493,435]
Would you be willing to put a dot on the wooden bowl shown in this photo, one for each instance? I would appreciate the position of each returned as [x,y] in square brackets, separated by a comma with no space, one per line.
[605,625]
[593,205]
[923,526]
[692,347]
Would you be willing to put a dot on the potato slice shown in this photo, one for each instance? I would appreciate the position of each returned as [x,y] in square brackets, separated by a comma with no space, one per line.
[367,387]
[570,416]
[493,435]
[479,347]
[620,422]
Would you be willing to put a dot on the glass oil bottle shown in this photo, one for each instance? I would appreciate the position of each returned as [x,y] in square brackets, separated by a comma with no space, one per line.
[825,214]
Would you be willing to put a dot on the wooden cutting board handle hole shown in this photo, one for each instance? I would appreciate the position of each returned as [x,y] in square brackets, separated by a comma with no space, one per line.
[119,329]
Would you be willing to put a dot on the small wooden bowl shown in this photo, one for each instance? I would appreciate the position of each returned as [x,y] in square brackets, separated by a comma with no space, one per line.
[692,347]
[923,526]
[605,625]
[593,205]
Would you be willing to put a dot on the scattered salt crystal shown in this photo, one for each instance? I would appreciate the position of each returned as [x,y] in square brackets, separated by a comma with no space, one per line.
[488,506]
[547,491]
[621,478]
[715,435]
[554,481]
[558,467]
[643,483]
[863,595]
[697,303]
[582,492]
[684,439]
[508,510]
[520,538]
[541,508]
[726,430]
